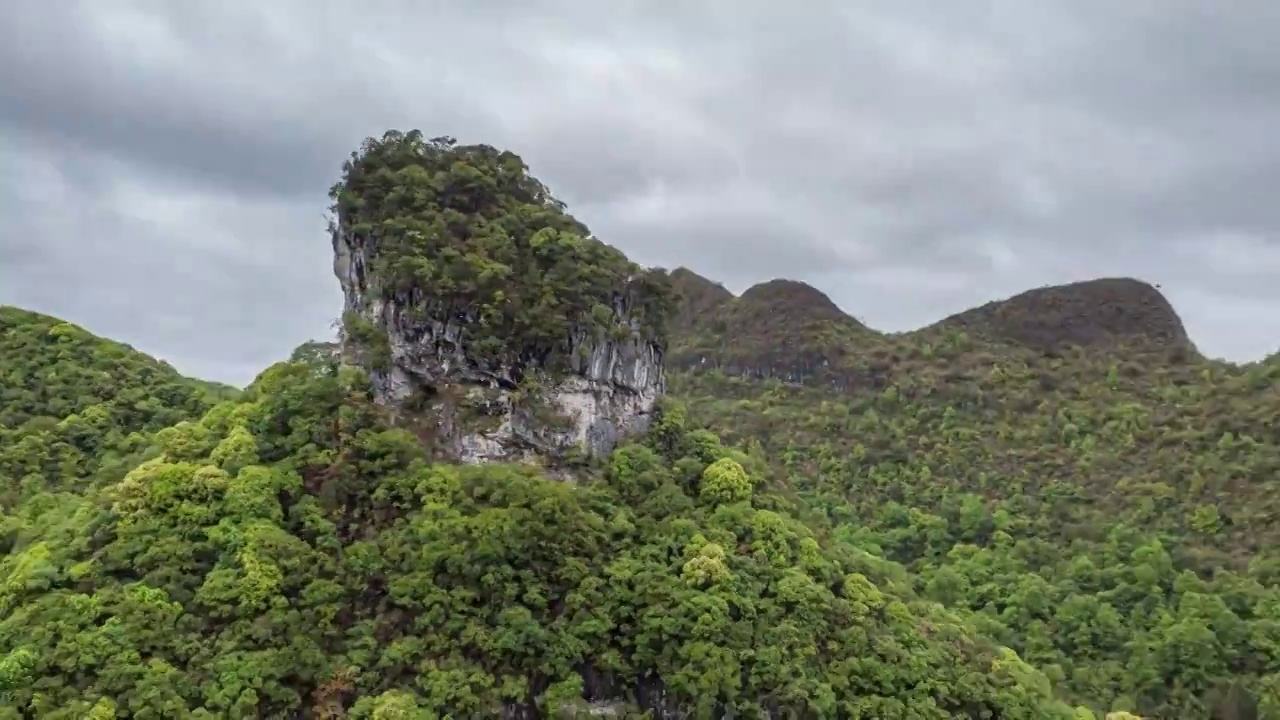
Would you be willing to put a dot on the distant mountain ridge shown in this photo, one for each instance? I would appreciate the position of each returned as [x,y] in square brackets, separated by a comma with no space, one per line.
[791,331]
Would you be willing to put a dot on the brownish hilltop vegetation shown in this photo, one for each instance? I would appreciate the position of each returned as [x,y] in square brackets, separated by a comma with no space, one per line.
[699,298]
[788,330]
[1106,312]
[780,328]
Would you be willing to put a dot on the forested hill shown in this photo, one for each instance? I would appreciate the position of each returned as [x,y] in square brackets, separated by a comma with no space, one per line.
[51,368]
[973,523]
[1063,466]
[76,408]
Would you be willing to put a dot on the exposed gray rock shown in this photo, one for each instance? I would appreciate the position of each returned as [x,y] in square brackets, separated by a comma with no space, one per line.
[485,413]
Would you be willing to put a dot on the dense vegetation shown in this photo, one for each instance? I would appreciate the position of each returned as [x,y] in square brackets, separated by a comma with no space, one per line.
[1049,507]
[75,407]
[785,329]
[1110,513]
[781,328]
[464,231]
[288,555]
[1107,312]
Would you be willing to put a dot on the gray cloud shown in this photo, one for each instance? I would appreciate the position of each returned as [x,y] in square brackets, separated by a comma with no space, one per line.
[165,164]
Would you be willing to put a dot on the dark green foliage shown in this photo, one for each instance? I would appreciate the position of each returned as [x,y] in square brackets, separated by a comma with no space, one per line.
[464,232]
[779,328]
[51,369]
[372,341]
[697,298]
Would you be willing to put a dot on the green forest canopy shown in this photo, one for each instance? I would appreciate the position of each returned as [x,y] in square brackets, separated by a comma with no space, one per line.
[974,528]
[464,230]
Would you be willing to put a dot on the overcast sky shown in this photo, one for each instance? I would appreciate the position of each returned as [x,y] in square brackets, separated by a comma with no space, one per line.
[164,165]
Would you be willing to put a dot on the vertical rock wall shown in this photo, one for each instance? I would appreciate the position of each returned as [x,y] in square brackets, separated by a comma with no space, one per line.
[486,413]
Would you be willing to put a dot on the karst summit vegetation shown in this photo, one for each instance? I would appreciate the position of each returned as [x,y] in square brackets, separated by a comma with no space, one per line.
[1048,507]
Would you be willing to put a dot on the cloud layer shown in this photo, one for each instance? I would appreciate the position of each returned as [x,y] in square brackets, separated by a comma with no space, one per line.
[163,166]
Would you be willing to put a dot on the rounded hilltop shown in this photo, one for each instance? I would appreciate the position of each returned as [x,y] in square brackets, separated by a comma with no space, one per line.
[783,303]
[779,328]
[1102,313]
[791,331]
[774,304]
[697,298]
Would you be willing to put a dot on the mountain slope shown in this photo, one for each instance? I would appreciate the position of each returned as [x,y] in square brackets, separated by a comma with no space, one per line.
[1046,507]
[1102,487]
[781,328]
[51,368]
[1107,312]
[74,407]
[246,573]
[698,298]
[298,551]
[789,331]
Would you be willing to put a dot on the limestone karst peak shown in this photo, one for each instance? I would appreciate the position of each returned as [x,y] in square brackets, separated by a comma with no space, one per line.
[486,309]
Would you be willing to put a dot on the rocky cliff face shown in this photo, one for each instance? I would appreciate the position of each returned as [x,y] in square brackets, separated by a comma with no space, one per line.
[498,412]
